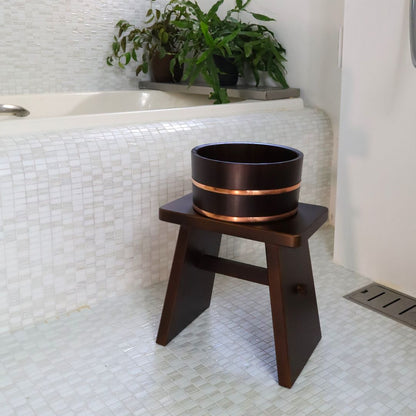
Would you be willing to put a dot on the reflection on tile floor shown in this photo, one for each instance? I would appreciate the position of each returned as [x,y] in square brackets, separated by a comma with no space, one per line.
[104,361]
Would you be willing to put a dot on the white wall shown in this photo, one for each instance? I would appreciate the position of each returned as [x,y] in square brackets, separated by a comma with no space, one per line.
[375,226]
[61,45]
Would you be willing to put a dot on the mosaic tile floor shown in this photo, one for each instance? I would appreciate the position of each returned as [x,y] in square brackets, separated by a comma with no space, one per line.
[104,361]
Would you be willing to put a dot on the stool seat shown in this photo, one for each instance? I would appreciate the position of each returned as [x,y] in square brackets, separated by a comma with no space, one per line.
[288,274]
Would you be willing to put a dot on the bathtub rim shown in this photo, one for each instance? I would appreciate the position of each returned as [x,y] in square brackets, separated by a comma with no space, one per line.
[21,126]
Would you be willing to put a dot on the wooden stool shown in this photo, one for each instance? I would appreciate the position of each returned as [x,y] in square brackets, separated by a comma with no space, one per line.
[288,274]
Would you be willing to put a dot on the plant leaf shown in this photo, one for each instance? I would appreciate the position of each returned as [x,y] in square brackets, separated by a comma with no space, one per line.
[250,34]
[172,64]
[182,24]
[248,49]
[262,17]
[165,37]
[208,38]
[162,52]
[116,47]
[203,57]
[160,34]
[213,10]
[227,39]
[127,57]
[228,49]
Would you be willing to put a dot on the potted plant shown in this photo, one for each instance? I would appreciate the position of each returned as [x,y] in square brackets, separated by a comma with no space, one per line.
[210,39]
[218,49]
[159,43]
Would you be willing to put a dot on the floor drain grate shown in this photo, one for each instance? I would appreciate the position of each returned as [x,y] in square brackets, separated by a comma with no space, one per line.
[388,302]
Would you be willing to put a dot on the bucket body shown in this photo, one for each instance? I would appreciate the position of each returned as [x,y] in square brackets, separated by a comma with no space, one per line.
[246,182]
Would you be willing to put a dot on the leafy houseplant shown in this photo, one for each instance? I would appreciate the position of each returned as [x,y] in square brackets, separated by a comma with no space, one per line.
[159,42]
[249,46]
[200,41]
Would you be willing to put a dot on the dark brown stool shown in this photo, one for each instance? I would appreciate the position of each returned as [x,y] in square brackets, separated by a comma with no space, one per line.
[288,274]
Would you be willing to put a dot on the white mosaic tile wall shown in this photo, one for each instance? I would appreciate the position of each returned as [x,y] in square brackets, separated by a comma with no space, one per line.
[79,209]
[62,45]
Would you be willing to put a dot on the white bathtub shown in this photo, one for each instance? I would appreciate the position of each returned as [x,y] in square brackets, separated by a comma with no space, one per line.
[97,109]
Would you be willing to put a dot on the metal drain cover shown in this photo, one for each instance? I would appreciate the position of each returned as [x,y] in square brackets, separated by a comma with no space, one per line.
[388,302]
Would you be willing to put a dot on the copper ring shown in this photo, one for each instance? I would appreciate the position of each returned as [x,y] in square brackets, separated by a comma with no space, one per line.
[251,192]
[245,219]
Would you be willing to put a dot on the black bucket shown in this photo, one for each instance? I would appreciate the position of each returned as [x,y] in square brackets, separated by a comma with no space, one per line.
[246,182]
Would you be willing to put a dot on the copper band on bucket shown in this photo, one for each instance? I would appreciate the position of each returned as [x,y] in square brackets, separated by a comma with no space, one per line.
[245,219]
[247,192]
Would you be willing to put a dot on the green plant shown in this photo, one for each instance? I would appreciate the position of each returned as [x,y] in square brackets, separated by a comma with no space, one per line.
[160,37]
[195,38]
[250,46]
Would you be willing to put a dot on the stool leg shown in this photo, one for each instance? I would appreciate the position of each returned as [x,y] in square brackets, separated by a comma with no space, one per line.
[294,309]
[189,289]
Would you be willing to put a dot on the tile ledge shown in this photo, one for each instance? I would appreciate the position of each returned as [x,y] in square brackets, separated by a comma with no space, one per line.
[239,91]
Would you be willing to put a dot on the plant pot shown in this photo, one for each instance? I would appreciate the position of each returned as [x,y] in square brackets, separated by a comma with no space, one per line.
[160,69]
[228,75]
[246,182]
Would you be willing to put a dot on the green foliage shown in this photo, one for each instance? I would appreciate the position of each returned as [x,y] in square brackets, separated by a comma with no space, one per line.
[250,46]
[160,37]
[194,37]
